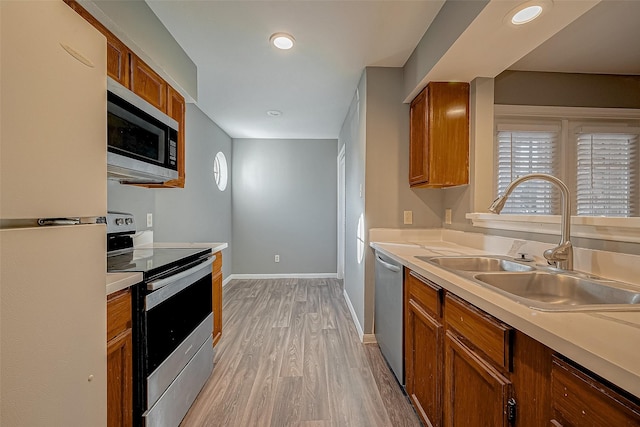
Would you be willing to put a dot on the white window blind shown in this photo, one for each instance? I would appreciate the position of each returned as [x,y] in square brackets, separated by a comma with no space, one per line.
[607,166]
[525,149]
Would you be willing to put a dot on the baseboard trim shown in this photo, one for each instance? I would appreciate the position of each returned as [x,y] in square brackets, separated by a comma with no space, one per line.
[353,316]
[285,276]
[369,339]
[227,280]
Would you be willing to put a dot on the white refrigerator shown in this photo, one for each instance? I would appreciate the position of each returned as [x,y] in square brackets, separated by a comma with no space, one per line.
[52,165]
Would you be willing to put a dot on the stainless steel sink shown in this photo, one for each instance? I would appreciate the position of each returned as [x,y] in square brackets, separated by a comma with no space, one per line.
[477,263]
[563,292]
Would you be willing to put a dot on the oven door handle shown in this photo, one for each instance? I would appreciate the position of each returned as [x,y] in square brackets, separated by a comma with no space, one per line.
[152,286]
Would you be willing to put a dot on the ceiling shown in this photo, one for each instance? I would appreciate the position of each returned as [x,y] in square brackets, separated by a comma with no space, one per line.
[241,76]
[602,41]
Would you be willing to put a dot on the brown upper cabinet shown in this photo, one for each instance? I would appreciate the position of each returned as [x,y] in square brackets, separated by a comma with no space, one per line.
[439,136]
[147,84]
[131,72]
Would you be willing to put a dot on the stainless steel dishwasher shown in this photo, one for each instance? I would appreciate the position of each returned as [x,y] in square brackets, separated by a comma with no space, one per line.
[388,313]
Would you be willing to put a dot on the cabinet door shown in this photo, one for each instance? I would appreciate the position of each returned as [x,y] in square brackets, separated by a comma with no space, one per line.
[147,84]
[120,381]
[176,110]
[448,133]
[581,400]
[117,60]
[418,144]
[476,394]
[424,363]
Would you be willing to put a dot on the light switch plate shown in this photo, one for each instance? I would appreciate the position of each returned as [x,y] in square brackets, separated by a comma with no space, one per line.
[149,220]
[408,217]
[277,258]
[447,216]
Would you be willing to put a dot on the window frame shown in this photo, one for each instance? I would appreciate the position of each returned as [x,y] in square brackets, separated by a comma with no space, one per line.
[605,228]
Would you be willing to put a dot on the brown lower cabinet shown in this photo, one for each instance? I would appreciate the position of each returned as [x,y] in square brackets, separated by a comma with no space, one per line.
[423,347]
[466,368]
[119,360]
[217,298]
[476,394]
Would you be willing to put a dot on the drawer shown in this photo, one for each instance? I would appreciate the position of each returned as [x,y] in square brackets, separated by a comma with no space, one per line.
[217,264]
[580,399]
[118,313]
[479,330]
[425,292]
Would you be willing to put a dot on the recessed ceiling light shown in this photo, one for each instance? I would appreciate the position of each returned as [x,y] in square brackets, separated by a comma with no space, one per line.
[274,113]
[282,40]
[528,11]
[527,14]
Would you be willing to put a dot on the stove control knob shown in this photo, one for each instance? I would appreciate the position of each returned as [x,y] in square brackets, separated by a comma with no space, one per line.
[119,221]
[129,221]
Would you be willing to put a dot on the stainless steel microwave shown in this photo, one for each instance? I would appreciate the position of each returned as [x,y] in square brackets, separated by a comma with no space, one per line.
[142,141]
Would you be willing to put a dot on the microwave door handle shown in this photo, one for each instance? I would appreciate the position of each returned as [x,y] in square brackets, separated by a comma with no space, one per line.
[152,286]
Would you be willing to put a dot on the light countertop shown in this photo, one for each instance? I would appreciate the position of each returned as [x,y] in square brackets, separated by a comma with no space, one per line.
[119,281]
[607,343]
[215,246]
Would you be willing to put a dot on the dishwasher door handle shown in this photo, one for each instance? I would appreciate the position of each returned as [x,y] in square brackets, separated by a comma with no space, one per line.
[388,266]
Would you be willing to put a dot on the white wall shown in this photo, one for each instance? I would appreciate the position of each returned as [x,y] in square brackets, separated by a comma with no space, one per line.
[284,203]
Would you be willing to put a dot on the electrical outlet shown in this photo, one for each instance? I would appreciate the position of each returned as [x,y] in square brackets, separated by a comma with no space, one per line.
[408,217]
[149,220]
[447,216]
[277,258]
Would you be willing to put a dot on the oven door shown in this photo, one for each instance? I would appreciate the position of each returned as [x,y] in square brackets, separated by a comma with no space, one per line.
[178,320]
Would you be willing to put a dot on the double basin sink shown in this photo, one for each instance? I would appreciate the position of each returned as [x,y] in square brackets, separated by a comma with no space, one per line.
[542,288]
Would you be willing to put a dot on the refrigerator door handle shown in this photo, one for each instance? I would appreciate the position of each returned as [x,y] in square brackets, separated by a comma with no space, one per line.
[58,221]
[72,221]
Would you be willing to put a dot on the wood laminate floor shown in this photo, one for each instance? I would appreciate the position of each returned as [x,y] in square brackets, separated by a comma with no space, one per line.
[290,356]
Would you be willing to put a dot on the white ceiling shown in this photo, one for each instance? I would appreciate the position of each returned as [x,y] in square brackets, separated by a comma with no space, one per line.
[605,40]
[241,77]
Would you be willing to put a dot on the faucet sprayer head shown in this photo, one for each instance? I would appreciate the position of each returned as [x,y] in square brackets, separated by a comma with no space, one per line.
[498,204]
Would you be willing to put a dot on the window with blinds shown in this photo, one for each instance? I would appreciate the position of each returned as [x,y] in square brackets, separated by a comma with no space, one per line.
[525,149]
[607,163]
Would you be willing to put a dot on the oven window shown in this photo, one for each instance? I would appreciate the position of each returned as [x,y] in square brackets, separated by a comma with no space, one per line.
[171,321]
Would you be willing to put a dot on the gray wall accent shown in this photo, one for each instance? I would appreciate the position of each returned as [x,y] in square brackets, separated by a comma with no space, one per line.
[199,212]
[139,28]
[566,89]
[376,138]
[136,200]
[388,193]
[353,137]
[284,202]
[387,154]
[452,20]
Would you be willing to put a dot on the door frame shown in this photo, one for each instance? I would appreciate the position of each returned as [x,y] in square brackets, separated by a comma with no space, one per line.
[341,225]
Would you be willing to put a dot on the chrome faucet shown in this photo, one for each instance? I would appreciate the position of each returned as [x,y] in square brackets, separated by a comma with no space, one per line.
[561,255]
